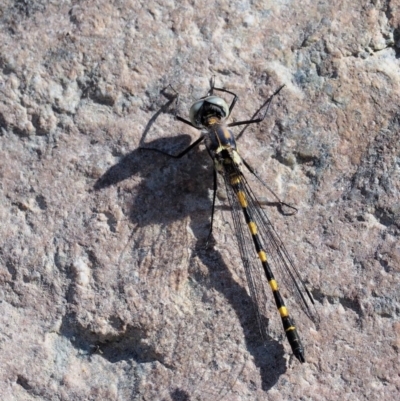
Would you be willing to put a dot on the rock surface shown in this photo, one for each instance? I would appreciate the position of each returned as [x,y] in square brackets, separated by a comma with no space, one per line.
[107,289]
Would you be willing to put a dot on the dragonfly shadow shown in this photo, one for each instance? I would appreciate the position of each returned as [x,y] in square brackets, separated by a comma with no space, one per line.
[171,190]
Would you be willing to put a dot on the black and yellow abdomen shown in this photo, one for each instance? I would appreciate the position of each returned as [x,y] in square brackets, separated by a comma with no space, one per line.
[288,324]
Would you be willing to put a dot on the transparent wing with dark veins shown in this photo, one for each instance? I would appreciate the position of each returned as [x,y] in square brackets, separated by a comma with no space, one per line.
[254,274]
[287,275]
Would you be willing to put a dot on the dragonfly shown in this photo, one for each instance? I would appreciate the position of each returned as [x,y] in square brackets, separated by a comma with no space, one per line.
[261,249]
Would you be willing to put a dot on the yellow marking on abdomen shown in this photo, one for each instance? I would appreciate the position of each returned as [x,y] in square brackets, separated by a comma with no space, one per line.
[290,328]
[274,285]
[253,228]
[262,256]
[283,311]
[235,180]
[242,199]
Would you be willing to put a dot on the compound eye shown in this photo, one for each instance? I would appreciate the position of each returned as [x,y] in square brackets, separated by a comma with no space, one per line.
[194,113]
[220,103]
[208,106]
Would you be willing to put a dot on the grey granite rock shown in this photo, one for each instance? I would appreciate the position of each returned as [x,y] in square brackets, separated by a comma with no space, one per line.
[107,291]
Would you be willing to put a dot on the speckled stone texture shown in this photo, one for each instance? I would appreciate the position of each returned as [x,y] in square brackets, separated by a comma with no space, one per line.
[107,289]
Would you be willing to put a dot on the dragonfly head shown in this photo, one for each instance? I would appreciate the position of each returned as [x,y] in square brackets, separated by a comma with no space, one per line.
[209,107]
